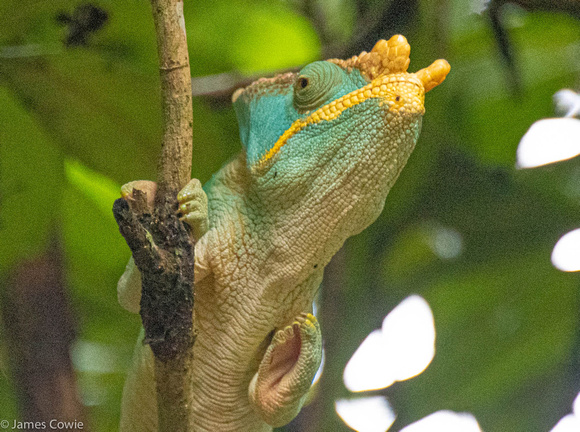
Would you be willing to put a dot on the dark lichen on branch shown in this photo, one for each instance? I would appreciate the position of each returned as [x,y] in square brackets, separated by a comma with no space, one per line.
[163,253]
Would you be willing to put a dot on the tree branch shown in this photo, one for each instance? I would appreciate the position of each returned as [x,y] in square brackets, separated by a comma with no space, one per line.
[161,245]
[176,150]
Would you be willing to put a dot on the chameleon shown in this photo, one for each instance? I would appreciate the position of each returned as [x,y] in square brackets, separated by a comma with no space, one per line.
[322,147]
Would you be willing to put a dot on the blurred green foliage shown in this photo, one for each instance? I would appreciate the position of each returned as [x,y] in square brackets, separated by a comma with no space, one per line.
[78,121]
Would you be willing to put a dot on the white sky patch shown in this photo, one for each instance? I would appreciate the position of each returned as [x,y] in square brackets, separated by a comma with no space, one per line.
[567,102]
[401,349]
[446,242]
[547,141]
[445,421]
[479,6]
[570,422]
[366,414]
[566,252]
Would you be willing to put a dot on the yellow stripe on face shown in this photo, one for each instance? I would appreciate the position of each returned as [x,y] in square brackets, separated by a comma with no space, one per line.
[398,89]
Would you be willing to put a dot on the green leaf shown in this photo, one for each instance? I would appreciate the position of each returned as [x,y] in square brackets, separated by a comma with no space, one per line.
[30,183]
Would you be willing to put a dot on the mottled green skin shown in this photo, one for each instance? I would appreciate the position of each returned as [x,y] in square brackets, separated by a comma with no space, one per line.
[271,232]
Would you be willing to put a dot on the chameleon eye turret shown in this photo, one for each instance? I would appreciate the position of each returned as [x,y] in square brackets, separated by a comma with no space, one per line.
[315,84]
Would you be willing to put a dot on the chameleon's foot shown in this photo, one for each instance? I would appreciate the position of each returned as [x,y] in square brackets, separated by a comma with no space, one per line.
[193,207]
[285,375]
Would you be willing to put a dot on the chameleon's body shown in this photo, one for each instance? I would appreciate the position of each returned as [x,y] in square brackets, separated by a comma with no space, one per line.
[322,149]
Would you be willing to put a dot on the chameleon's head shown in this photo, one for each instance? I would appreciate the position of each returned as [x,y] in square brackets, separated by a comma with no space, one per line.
[350,124]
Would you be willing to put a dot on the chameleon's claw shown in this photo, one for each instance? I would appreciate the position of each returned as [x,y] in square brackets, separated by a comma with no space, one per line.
[285,375]
[147,186]
[193,207]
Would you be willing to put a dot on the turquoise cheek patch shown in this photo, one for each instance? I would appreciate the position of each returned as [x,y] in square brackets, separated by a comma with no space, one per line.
[262,121]
[264,118]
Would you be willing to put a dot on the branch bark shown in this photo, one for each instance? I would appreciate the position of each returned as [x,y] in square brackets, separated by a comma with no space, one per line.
[161,245]
[176,150]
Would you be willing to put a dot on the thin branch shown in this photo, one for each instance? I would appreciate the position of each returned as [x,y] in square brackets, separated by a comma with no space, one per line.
[176,152]
[220,87]
[160,243]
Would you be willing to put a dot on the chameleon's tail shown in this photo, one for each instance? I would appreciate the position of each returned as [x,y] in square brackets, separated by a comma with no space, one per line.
[139,405]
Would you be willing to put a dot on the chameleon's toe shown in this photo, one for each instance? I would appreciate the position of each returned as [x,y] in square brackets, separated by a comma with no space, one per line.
[193,207]
[146,186]
[285,375]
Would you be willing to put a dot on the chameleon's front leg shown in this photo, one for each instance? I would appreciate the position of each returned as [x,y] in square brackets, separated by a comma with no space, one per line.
[193,207]
[279,388]
[192,202]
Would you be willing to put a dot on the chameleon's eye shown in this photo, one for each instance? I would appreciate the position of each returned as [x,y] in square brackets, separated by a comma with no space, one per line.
[315,84]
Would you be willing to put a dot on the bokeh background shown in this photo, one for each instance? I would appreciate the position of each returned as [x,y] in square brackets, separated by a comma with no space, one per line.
[463,228]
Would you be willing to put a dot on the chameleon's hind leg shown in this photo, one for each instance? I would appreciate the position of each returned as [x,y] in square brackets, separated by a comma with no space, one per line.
[285,374]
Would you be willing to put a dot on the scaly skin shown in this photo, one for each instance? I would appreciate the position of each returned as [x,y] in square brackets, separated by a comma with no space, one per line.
[322,148]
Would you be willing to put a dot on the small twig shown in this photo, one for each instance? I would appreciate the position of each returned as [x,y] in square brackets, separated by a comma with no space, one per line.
[505,47]
[222,86]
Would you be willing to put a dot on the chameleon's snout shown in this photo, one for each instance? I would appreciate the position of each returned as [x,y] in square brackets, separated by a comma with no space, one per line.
[434,74]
